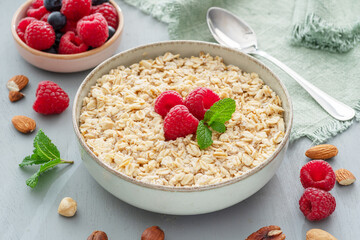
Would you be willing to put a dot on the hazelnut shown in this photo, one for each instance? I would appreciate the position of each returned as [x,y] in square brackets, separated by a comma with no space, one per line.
[153,233]
[67,207]
[97,235]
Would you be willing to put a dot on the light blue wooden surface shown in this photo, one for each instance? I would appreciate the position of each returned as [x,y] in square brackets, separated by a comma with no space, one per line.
[32,214]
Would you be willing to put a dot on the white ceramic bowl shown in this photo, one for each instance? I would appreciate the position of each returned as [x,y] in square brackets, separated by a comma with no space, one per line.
[183,200]
[65,62]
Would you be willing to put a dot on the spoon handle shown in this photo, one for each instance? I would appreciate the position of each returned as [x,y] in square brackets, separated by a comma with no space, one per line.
[334,107]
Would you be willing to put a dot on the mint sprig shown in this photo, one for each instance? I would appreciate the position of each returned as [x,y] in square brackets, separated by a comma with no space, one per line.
[219,113]
[46,154]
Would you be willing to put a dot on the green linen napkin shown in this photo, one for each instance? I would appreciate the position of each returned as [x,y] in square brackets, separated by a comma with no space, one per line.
[336,74]
[331,25]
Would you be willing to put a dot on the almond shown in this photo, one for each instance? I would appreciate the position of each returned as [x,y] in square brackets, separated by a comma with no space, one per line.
[15,96]
[23,124]
[324,151]
[153,233]
[17,83]
[344,177]
[318,234]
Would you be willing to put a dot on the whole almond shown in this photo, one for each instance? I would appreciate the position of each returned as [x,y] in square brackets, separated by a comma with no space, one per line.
[153,233]
[17,83]
[318,234]
[23,124]
[324,151]
[15,96]
[344,177]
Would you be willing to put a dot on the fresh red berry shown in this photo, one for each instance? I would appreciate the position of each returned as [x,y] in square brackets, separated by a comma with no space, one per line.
[316,204]
[45,17]
[318,174]
[109,13]
[22,26]
[37,13]
[93,30]
[37,3]
[39,35]
[75,9]
[69,26]
[50,98]
[70,44]
[200,100]
[166,100]
[179,122]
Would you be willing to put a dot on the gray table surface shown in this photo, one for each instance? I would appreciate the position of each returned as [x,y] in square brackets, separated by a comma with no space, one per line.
[32,214]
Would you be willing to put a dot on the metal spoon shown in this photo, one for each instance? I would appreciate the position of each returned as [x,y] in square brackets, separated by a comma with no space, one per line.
[231,31]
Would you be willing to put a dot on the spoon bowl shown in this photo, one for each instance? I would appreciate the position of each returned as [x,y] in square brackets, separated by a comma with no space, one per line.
[230,31]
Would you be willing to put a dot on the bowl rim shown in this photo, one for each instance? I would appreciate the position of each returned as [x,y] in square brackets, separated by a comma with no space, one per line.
[175,188]
[66,56]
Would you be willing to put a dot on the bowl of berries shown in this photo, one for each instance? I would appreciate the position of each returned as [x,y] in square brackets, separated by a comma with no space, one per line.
[67,35]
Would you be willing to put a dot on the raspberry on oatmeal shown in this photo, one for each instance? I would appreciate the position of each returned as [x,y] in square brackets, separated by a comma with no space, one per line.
[120,126]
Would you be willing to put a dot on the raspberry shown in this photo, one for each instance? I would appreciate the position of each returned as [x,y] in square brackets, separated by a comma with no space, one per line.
[318,174]
[179,122]
[69,26]
[37,3]
[22,26]
[93,30]
[45,17]
[200,100]
[37,13]
[39,35]
[316,204]
[166,100]
[69,44]
[50,98]
[75,9]
[109,13]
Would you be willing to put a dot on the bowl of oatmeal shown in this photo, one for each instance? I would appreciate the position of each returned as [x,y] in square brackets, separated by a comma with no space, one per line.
[122,140]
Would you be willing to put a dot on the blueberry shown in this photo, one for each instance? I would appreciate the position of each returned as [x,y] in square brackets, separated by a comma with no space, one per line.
[111,32]
[51,50]
[57,20]
[58,36]
[52,5]
[98,2]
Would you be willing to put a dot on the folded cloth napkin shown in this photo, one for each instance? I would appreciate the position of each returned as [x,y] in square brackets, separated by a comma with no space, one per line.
[331,25]
[336,74]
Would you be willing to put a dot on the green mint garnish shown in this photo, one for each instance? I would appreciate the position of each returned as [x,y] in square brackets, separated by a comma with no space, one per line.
[219,113]
[45,153]
[218,126]
[203,135]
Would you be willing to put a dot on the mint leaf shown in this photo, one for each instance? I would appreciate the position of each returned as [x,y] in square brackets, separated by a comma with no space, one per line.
[208,115]
[44,148]
[33,180]
[45,153]
[218,126]
[203,135]
[33,159]
[221,111]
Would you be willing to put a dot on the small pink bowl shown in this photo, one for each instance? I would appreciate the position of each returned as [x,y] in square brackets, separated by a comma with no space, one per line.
[66,62]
